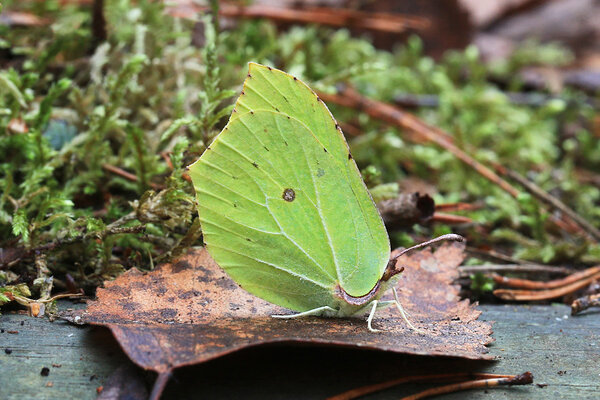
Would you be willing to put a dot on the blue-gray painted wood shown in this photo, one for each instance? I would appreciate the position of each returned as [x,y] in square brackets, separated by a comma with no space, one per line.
[562,352]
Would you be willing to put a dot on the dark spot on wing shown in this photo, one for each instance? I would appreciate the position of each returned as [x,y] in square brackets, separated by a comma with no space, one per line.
[235,205]
[270,69]
[251,112]
[276,109]
[295,78]
[266,148]
[289,195]
[285,142]
[249,76]
[249,239]
[255,165]
[288,117]
[243,93]
[325,149]
[337,126]
[349,156]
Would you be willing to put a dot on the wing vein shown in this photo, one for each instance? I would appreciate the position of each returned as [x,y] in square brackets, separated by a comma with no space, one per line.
[266,158]
[302,277]
[262,97]
[239,223]
[239,194]
[318,207]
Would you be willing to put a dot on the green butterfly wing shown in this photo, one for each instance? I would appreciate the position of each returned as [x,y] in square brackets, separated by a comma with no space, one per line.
[282,206]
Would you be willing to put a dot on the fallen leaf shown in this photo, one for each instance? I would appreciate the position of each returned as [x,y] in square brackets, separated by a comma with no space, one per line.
[190,311]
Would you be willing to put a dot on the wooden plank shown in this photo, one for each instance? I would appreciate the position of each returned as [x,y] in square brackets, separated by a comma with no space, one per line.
[79,359]
[562,352]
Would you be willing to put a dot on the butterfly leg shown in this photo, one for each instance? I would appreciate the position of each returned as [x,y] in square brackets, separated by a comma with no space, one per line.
[315,311]
[371,315]
[403,313]
[385,304]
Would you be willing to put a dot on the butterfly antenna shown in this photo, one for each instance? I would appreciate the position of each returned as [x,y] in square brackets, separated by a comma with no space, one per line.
[450,236]
[392,270]
[403,314]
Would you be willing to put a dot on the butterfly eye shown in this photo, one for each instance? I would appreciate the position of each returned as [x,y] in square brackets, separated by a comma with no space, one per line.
[289,195]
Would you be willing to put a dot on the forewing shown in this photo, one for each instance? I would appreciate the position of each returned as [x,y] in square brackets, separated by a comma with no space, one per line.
[267,88]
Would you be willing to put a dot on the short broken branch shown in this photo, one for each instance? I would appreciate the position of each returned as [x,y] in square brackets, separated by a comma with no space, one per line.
[406,209]
[583,303]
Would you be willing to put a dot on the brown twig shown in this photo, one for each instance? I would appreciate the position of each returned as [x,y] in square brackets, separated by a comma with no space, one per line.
[523,379]
[364,390]
[128,175]
[550,200]
[348,97]
[452,207]
[519,268]
[583,303]
[536,295]
[450,219]
[167,157]
[537,285]
[411,100]
[337,17]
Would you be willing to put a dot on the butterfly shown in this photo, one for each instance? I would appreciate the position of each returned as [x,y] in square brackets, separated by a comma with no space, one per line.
[284,210]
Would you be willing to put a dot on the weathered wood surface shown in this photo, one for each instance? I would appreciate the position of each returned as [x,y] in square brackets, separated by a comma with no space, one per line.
[561,351]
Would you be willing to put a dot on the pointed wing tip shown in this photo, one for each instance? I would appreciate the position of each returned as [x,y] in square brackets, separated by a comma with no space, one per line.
[252,66]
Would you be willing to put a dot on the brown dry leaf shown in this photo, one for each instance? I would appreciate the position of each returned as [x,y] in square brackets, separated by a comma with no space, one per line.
[190,312]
